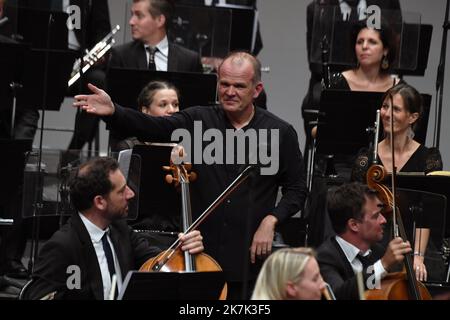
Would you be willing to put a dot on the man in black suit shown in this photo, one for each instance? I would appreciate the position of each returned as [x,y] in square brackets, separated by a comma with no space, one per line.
[150,48]
[78,262]
[355,214]
[149,22]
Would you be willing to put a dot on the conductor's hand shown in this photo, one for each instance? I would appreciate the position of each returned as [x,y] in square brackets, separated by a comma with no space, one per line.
[395,253]
[263,238]
[192,242]
[98,103]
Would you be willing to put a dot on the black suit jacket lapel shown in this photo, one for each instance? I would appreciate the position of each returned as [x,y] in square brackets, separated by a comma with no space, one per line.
[122,255]
[139,56]
[172,61]
[347,267]
[94,274]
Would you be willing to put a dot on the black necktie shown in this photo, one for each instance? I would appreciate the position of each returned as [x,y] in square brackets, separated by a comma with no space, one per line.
[151,58]
[365,260]
[108,254]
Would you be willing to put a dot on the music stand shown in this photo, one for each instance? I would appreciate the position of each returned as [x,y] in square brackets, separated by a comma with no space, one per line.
[11,77]
[33,28]
[12,163]
[203,29]
[426,32]
[60,64]
[343,119]
[172,286]
[435,184]
[124,86]
[355,112]
[244,28]
[159,203]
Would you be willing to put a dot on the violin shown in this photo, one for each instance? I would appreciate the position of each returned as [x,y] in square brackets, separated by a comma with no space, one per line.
[400,285]
[174,259]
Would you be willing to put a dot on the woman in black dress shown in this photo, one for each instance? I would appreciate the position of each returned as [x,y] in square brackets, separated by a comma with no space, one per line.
[374,55]
[410,156]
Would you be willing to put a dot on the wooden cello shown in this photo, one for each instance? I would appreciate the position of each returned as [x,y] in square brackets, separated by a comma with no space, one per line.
[173,259]
[400,285]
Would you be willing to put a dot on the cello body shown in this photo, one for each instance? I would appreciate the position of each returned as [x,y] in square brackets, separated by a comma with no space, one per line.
[400,285]
[395,287]
[203,263]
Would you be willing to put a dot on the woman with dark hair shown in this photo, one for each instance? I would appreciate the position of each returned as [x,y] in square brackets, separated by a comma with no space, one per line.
[410,156]
[158,99]
[374,54]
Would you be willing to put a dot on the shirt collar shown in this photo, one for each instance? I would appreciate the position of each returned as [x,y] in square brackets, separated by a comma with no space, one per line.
[350,251]
[94,231]
[163,46]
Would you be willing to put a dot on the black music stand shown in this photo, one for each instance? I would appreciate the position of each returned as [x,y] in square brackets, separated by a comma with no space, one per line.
[343,119]
[345,116]
[244,28]
[434,184]
[35,31]
[124,86]
[60,64]
[203,29]
[426,31]
[11,77]
[172,286]
[159,202]
[12,163]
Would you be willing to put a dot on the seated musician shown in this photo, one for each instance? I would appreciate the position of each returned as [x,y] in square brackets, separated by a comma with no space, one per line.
[355,214]
[158,99]
[410,156]
[79,260]
[289,274]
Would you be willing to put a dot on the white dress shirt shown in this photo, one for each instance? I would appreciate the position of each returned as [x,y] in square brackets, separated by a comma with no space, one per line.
[96,235]
[161,56]
[351,253]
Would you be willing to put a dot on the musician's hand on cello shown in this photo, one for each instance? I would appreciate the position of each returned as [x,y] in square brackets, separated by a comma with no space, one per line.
[395,253]
[98,103]
[192,242]
[263,238]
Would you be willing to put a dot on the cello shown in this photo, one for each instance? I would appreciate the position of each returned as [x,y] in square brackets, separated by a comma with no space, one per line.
[173,259]
[401,285]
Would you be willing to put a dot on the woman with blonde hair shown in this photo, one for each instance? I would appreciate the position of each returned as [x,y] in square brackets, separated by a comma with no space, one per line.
[289,274]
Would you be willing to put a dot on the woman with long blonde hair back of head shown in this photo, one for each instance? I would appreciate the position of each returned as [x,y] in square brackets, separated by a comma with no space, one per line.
[289,274]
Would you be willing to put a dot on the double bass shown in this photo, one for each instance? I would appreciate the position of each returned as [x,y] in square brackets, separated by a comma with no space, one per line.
[401,285]
[173,259]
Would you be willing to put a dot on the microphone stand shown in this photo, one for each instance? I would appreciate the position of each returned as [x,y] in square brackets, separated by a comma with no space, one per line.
[440,78]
